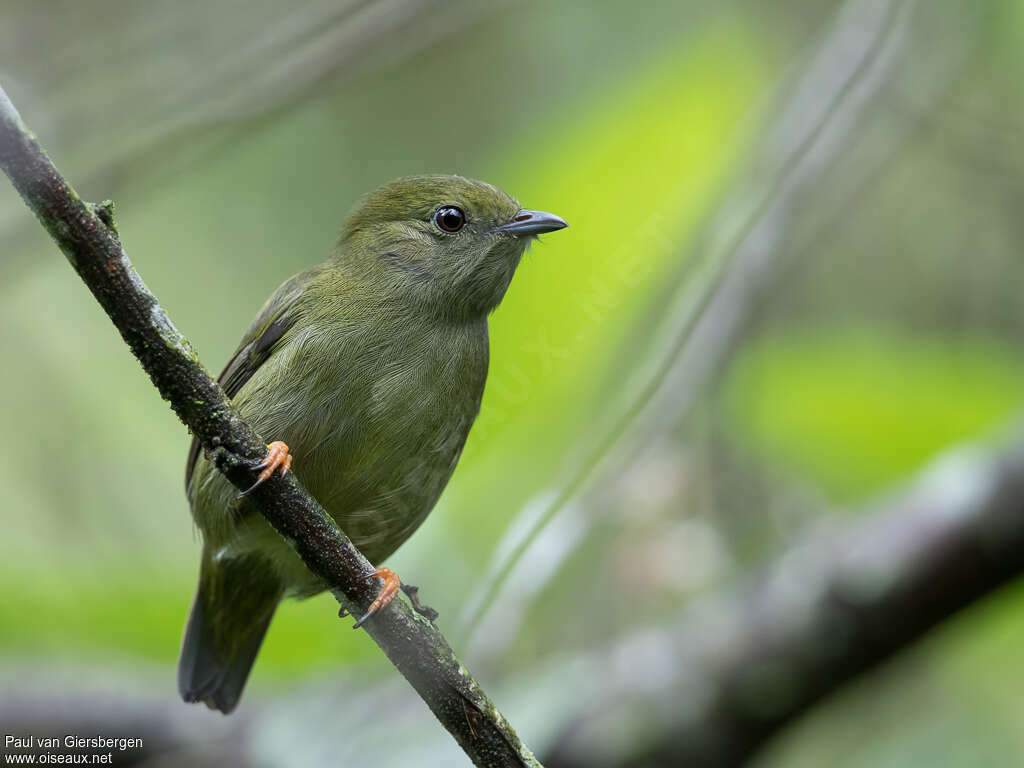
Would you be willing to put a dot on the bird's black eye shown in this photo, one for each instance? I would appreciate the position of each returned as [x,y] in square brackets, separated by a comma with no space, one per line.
[449,218]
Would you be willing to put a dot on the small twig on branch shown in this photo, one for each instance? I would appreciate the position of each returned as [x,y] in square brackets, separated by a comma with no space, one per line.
[86,235]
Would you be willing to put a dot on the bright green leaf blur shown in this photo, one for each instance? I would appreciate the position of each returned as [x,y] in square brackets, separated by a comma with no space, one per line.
[858,409]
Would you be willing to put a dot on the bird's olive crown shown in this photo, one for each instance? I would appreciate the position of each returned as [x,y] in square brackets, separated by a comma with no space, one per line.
[415,201]
[435,240]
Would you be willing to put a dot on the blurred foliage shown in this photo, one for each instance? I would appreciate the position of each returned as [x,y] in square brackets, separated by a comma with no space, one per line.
[856,410]
[234,138]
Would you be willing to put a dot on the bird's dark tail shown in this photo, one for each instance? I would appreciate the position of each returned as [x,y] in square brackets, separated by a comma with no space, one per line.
[232,609]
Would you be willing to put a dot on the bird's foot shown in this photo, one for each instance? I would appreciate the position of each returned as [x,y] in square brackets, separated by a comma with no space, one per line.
[387,593]
[413,593]
[277,458]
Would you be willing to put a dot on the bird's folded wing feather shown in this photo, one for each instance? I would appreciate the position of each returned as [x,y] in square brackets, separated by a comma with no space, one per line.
[274,320]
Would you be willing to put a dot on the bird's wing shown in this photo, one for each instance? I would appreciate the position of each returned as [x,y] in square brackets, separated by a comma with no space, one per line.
[271,324]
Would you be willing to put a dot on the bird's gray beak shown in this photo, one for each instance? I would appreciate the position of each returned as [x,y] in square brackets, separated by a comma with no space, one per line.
[533,223]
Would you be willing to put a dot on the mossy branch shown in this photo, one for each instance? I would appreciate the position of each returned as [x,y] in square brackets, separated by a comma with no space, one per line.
[86,235]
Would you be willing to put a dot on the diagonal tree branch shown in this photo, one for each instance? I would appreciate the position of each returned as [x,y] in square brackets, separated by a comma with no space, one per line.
[86,235]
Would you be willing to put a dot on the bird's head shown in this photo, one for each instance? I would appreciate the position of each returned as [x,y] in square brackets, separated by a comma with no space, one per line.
[447,243]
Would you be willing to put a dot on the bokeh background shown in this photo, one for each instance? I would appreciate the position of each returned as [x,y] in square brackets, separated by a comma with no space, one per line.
[792,279]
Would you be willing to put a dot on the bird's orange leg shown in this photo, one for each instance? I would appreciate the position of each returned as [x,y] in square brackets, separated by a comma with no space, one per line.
[387,593]
[277,458]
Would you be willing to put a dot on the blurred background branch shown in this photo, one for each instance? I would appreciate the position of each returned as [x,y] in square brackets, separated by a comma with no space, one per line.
[738,667]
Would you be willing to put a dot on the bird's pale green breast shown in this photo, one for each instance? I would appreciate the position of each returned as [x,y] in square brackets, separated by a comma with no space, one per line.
[375,403]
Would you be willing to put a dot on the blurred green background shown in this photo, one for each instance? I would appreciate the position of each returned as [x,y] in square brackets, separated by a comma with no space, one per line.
[855,164]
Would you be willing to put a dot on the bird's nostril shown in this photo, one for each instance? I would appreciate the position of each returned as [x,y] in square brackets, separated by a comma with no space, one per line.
[522,217]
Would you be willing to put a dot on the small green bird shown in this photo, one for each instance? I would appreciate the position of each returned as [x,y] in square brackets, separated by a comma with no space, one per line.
[369,368]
